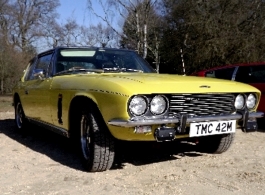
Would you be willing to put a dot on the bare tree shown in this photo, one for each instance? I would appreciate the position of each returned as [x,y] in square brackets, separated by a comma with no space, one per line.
[88,36]
[103,35]
[21,24]
[12,61]
[5,21]
[54,35]
[135,13]
[72,34]
[27,18]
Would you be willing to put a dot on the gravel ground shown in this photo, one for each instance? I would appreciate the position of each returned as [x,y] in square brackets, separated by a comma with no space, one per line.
[41,162]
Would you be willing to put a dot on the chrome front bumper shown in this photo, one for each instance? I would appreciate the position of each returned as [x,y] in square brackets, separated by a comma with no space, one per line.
[134,122]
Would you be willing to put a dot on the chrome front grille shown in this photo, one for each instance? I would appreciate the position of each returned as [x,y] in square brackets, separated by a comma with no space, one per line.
[201,104]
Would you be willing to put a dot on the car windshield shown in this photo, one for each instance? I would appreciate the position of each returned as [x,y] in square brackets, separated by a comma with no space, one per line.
[96,60]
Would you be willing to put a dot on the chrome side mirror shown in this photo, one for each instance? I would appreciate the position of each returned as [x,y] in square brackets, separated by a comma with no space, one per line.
[39,73]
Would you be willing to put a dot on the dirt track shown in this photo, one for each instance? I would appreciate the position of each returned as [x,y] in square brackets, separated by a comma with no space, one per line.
[41,162]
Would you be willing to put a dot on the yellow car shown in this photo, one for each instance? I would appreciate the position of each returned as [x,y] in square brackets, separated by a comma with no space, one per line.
[99,95]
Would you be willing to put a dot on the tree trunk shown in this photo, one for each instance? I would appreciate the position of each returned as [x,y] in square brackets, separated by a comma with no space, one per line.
[138,32]
[145,41]
[157,62]
[2,86]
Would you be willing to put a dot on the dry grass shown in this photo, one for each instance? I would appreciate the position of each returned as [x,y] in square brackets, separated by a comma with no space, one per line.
[6,103]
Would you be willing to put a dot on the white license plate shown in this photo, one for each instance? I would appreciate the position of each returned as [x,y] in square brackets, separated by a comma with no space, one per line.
[212,128]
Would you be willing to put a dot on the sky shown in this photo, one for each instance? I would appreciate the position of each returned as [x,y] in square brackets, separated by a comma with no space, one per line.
[76,9]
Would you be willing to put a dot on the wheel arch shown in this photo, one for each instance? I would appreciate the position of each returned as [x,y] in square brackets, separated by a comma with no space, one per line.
[78,102]
[16,99]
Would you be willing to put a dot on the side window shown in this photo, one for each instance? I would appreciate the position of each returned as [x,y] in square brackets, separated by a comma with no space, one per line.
[224,73]
[258,74]
[243,74]
[43,64]
[30,69]
[251,74]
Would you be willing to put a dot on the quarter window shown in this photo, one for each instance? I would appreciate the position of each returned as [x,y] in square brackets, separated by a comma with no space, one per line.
[30,69]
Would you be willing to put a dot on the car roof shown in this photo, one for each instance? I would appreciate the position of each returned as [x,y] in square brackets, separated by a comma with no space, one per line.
[81,47]
[75,47]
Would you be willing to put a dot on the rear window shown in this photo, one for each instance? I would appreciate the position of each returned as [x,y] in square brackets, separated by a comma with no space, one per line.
[251,74]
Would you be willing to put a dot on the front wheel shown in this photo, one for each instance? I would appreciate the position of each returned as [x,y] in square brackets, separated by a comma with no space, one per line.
[97,145]
[216,144]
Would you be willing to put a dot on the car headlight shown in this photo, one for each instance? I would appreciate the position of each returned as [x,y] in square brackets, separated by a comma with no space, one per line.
[239,101]
[251,101]
[138,105]
[158,105]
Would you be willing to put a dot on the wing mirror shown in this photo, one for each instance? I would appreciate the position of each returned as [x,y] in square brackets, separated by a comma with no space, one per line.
[39,73]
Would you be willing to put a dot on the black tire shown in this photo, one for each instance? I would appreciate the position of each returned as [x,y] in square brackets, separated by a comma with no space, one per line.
[20,119]
[261,123]
[216,144]
[97,144]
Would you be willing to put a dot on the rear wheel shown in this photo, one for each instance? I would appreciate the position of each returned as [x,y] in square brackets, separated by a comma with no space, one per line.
[97,145]
[216,144]
[20,119]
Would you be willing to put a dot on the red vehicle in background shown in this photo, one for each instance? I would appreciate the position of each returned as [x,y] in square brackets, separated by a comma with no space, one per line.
[250,73]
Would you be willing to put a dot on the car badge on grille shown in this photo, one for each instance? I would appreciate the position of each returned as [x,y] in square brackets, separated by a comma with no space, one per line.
[205,86]
[191,100]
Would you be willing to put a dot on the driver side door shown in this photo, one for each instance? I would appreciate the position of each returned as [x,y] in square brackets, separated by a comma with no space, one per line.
[37,89]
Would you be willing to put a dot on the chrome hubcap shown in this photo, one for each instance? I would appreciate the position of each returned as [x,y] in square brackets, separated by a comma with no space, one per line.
[19,115]
[85,137]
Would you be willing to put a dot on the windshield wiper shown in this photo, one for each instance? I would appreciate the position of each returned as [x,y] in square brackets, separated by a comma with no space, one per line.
[113,69]
[130,70]
[79,70]
[117,69]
